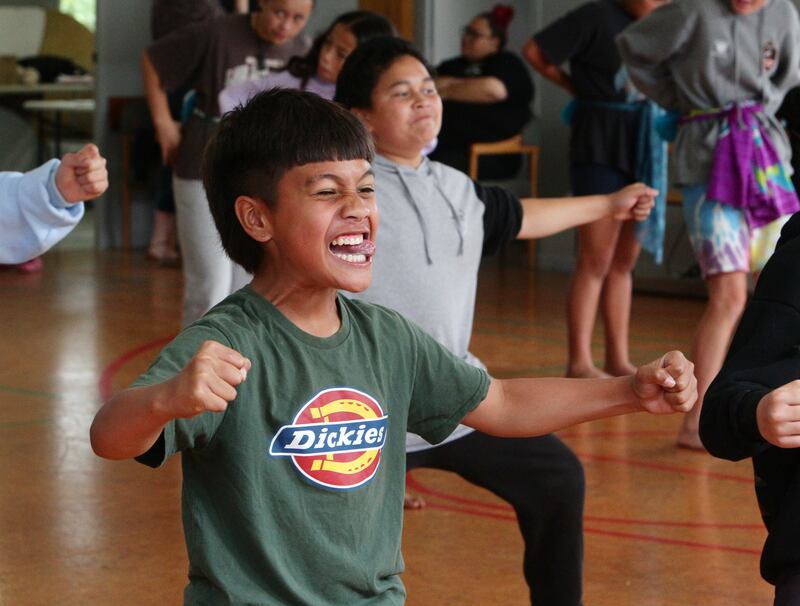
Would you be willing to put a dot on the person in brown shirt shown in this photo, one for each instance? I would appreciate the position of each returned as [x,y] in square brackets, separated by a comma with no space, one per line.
[206,57]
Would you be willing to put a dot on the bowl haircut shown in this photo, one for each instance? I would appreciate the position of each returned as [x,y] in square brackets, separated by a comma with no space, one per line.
[257,143]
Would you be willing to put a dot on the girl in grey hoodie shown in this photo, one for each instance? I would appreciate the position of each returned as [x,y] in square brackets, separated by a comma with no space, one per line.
[723,66]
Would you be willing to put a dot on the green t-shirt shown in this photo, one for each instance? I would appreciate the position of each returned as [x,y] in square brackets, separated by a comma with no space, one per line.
[294,495]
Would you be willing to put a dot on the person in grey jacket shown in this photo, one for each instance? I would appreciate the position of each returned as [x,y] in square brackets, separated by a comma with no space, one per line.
[724,67]
[436,223]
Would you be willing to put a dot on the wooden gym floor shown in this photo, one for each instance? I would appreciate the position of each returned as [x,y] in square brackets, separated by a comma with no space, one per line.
[662,526]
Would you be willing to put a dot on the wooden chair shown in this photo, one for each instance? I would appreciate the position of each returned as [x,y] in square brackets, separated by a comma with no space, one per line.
[514,145]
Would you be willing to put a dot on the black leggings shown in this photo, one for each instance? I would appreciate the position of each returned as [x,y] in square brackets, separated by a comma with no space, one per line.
[543,481]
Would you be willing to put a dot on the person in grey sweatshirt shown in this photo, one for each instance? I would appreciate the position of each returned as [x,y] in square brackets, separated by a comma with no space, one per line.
[724,67]
[436,223]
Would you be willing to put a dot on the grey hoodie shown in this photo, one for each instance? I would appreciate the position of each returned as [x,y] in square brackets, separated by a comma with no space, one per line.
[429,245]
[699,54]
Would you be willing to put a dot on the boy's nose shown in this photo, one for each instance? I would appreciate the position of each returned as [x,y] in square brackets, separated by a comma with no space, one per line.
[356,206]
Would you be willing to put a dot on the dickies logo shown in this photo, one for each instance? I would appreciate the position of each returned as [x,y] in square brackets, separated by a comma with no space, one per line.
[336,439]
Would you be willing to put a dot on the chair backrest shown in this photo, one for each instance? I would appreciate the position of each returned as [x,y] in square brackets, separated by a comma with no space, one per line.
[513,145]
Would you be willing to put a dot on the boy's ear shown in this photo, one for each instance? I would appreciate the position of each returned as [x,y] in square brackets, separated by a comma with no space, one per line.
[255,218]
[362,115]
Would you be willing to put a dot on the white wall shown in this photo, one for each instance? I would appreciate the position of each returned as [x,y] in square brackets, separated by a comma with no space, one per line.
[123,31]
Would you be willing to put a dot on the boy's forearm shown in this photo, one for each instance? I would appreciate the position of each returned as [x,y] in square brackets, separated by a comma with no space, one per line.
[130,422]
[530,407]
[543,217]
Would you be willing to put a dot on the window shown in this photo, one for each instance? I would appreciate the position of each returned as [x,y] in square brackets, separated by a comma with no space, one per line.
[82,10]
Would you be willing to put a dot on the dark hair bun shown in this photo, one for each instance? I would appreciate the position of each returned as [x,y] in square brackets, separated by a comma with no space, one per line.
[502,15]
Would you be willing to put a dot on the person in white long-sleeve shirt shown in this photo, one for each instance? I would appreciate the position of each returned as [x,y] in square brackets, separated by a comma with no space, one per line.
[40,207]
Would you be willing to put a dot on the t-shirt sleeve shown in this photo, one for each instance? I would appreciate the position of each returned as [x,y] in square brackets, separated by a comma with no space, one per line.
[178,57]
[180,434]
[445,389]
[502,217]
[566,37]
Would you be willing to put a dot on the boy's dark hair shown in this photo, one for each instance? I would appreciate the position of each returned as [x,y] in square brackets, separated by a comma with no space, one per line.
[364,25]
[257,143]
[366,64]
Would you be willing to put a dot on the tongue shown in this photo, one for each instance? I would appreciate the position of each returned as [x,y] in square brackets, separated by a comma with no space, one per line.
[367,247]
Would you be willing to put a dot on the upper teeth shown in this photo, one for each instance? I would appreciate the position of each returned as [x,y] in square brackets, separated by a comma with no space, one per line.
[348,240]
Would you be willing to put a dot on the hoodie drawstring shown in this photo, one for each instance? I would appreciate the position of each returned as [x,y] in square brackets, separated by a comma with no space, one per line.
[421,218]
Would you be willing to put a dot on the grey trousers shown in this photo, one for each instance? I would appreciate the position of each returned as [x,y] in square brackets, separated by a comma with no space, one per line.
[208,274]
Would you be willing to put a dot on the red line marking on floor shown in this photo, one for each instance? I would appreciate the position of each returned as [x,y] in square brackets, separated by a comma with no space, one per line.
[107,376]
[416,486]
[662,467]
[611,533]
[673,524]
[680,542]
[614,434]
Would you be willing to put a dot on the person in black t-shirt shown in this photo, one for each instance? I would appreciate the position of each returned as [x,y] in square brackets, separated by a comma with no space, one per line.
[602,157]
[486,92]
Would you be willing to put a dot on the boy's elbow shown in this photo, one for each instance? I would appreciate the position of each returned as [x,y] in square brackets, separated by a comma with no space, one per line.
[491,416]
[103,445]
[98,442]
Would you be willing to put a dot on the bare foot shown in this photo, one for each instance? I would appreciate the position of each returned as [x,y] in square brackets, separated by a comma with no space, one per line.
[689,437]
[620,370]
[583,372]
[413,501]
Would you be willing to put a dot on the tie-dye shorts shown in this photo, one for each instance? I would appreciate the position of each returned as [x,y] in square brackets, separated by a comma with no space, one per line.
[720,237]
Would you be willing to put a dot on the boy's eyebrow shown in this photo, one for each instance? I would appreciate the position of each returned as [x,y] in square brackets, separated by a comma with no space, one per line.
[321,177]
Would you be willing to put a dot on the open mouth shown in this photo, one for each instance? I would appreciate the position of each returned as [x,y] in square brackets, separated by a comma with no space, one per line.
[353,248]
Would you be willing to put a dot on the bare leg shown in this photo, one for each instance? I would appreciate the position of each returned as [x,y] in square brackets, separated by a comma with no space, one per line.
[727,295]
[596,244]
[616,302]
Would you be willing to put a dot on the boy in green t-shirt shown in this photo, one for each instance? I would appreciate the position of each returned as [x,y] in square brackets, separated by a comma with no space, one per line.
[289,403]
